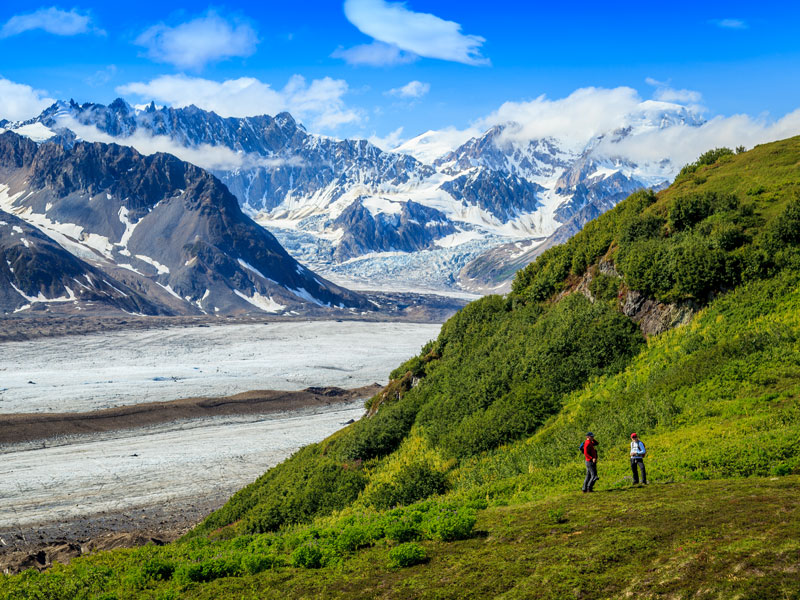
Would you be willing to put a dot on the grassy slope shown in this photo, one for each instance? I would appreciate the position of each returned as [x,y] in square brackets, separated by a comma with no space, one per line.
[720,539]
[717,398]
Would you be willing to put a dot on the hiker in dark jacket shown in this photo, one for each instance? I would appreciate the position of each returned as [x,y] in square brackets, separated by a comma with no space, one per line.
[590,454]
[637,459]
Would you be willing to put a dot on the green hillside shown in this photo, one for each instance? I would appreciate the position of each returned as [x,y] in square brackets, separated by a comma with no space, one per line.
[468,462]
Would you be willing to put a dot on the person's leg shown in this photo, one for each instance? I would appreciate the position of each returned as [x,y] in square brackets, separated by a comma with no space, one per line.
[635,471]
[644,473]
[588,479]
[593,471]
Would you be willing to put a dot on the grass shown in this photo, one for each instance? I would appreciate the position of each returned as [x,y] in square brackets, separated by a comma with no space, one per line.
[735,538]
[711,539]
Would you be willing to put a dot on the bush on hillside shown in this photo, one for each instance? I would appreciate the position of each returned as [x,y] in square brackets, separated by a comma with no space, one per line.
[707,158]
[508,377]
[413,482]
[407,555]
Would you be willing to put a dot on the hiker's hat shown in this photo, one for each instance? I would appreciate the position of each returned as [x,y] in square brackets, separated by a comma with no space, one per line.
[633,435]
[589,434]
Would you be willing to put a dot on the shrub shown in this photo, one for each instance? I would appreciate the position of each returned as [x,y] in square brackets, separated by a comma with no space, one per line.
[647,266]
[153,569]
[414,481]
[307,556]
[403,525]
[700,270]
[728,236]
[781,469]
[450,523]
[785,229]
[556,515]
[641,228]
[353,537]
[255,563]
[604,287]
[687,211]
[208,570]
[407,555]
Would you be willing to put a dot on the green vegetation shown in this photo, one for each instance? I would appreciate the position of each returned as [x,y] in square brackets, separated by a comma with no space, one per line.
[728,538]
[462,481]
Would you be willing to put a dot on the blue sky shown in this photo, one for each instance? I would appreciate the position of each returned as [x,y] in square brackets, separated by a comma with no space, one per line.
[371,67]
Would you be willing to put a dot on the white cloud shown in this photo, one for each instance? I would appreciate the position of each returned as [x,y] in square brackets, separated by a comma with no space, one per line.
[19,102]
[422,34]
[389,142]
[194,44]
[52,20]
[320,103]
[376,54]
[204,155]
[584,114]
[682,144]
[666,93]
[413,89]
[730,23]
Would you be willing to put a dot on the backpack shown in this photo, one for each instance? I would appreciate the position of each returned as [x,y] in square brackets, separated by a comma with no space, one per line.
[580,448]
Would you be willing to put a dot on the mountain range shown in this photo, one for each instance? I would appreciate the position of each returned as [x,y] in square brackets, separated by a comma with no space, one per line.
[425,215]
[103,224]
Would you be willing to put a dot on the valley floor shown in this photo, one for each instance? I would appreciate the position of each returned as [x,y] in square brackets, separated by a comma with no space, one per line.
[78,488]
[99,431]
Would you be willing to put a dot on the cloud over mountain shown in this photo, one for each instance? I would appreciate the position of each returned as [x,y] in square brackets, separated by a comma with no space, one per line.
[19,101]
[320,103]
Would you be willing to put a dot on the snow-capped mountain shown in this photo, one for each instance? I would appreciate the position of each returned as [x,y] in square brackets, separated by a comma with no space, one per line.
[161,227]
[352,211]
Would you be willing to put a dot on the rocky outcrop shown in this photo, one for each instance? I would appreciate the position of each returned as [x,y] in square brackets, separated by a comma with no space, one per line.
[655,317]
[503,195]
[652,317]
[409,228]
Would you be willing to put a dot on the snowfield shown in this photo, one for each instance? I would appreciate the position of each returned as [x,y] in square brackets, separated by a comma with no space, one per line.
[91,372]
[127,471]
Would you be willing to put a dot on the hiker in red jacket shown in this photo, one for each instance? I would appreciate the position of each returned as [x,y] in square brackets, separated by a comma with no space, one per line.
[590,454]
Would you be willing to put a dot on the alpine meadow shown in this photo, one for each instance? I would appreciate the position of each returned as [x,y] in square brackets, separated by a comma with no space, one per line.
[676,314]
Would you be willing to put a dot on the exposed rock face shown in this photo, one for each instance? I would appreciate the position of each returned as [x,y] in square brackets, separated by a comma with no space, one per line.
[652,316]
[655,317]
[412,227]
[166,222]
[36,273]
[503,195]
